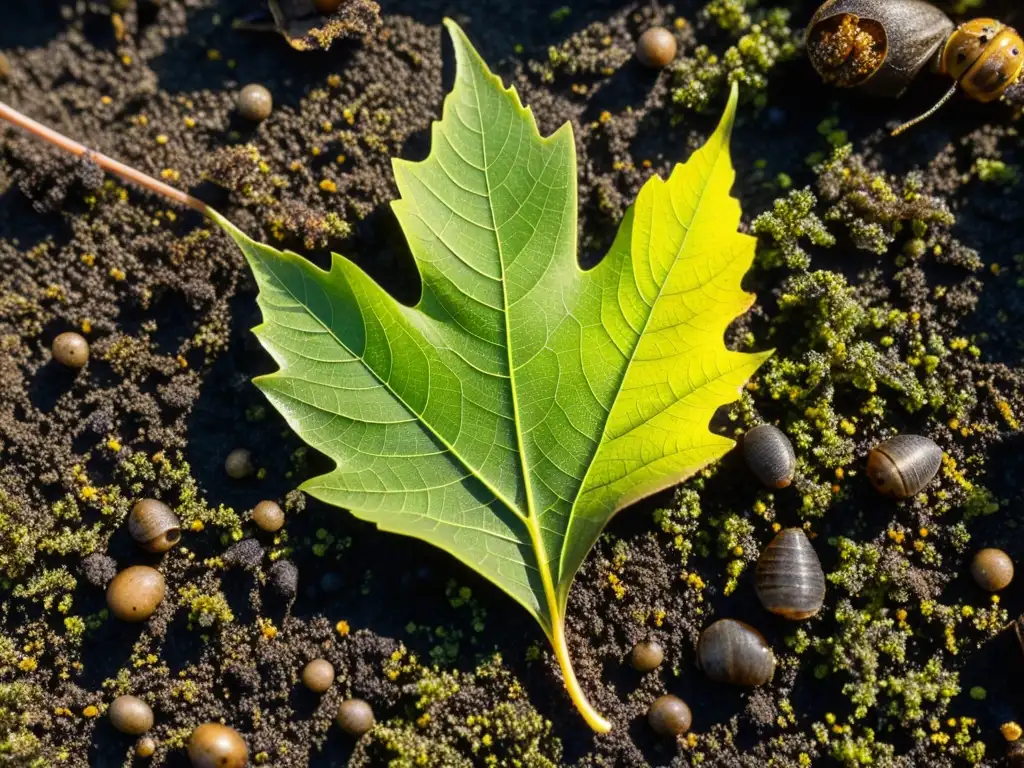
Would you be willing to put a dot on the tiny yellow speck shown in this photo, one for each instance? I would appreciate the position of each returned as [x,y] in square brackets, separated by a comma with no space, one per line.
[161,139]
[328,186]
[342,628]
[91,711]
[106,100]
[197,525]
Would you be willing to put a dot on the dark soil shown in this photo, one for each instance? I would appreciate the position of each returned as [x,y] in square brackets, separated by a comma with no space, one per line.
[167,304]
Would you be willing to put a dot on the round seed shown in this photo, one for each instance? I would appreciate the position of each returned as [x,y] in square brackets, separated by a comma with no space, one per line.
[669,716]
[70,349]
[355,717]
[656,48]
[318,675]
[131,715]
[238,464]
[992,569]
[268,515]
[213,745]
[135,593]
[647,656]
[145,747]
[255,103]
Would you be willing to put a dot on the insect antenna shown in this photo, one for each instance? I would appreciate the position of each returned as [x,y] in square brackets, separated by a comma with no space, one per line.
[929,113]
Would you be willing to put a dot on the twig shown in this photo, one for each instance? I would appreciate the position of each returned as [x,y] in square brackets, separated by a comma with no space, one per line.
[108,164]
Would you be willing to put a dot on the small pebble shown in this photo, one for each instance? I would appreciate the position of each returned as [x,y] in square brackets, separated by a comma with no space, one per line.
[647,656]
[238,464]
[318,675]
[355,717]
[255,103]
[145,747]
[992,569]
[131,715]
[656,48]
[213,745]
[284,578]
[268,516]
[71,350]
[5,67]
[669,716]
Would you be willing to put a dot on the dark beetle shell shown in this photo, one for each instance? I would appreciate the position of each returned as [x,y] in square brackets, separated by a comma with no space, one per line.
[902,466]
[154,525]
[730,651]
[877,45]
[769,455]
[790,581]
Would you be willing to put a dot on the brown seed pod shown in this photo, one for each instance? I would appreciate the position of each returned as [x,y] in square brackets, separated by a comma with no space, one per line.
[669,716]
[730,651]
[789,579]
[154,525]
[131,715]
[255,103]
[355,717]
[769,455]
[145,747]
[901,466]
[268,516]
[992,569]
[656,48]
[213,745]
[318,675]
[70,349]
[135,593]
[647,656]
[238,464]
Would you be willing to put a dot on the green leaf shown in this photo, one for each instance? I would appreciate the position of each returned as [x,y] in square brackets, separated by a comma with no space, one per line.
[522,402]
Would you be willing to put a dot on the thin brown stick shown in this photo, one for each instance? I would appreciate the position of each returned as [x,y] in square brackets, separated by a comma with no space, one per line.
[108,164]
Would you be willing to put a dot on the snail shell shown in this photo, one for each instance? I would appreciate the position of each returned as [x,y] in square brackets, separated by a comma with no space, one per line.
[901,466]
[876,45]
[769,455]
[789,578]
[730,651]
[154,525]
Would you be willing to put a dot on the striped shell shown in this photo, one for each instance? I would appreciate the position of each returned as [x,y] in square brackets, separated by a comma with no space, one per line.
[901,466]
[789,578]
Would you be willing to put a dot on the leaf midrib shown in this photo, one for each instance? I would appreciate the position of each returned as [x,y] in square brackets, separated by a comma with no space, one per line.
[536,539]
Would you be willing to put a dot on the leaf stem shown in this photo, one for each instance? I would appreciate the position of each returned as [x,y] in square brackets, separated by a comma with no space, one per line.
[108,164]
[594,718]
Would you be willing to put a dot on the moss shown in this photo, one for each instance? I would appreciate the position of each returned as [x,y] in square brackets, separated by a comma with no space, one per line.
[762,40]
[791,219]
[479,718]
